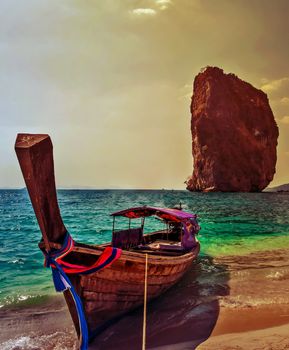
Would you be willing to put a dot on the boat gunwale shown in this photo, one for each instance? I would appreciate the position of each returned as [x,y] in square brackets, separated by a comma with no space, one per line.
[140,256]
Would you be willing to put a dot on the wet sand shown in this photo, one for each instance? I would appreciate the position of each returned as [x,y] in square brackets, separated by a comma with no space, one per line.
[232,302]
[274,338]
[257,328]
[253,328]
[46,325]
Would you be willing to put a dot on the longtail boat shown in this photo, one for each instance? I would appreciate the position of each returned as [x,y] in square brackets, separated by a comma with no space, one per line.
[102,282]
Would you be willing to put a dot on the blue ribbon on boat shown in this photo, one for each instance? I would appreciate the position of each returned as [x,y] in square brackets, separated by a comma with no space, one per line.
[62,282]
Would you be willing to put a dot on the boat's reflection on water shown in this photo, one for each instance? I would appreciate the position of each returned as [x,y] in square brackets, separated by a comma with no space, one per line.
[182,318]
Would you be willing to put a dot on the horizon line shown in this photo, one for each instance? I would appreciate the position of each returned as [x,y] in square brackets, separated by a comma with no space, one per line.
[102,189]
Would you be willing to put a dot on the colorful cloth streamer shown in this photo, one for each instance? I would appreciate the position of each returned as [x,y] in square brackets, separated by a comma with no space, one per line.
[191,229]
[60,269]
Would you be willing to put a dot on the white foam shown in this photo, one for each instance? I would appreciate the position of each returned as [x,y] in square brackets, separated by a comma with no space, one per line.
[241,301]
[22,342]
[16,261]
[55,341]
[278,275]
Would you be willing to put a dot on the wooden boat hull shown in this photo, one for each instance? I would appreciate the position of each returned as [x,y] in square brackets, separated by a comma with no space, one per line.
[119,288]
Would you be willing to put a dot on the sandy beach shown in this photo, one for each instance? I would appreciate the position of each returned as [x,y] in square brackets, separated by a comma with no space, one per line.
[46,325]
[275,338]
[230,302]
[259,328]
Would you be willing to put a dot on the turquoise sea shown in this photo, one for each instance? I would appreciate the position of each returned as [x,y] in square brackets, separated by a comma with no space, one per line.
[232,224]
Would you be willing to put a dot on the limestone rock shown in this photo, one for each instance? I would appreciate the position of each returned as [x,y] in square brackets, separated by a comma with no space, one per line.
[234,135]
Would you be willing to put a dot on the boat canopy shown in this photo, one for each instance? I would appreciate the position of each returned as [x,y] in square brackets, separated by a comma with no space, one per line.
[164,213]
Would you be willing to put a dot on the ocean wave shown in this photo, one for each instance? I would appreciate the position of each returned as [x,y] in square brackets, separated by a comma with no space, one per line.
[17,261]
[241,302]
[274,258]
[278,275]
[54,341]
[20,299]
[15,299]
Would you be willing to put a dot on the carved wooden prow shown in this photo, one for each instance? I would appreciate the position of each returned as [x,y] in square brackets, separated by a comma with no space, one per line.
[35,156]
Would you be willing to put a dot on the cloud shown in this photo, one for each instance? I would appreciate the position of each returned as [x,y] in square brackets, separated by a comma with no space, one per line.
[163,4]
[186,91]
[285,101]
[285,120]
[275,85]
[158,4]
[144,11]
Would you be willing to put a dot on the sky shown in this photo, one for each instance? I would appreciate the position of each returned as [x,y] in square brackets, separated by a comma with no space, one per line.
[111,82]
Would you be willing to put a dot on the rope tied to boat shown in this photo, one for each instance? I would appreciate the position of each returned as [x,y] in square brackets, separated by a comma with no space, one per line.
[145,304]
[60,269]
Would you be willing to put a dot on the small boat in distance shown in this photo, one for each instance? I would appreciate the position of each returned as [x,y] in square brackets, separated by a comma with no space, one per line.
[103,282]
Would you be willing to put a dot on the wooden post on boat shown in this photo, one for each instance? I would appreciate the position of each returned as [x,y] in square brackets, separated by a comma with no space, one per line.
[35,156]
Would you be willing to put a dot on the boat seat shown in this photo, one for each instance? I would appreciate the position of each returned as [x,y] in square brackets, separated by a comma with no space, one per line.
[166,245]
[126,239]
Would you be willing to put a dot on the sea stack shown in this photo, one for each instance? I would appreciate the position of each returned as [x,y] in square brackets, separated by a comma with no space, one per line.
[234,135]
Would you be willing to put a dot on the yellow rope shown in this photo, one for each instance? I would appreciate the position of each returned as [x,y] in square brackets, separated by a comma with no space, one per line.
[145,305]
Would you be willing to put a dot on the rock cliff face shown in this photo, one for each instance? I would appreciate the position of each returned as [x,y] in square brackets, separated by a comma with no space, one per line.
[234,135]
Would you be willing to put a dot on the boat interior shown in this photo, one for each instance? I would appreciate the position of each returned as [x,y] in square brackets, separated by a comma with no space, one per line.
[163,242]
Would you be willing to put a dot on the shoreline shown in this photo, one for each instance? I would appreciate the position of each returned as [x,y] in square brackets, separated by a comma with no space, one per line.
[25,319]
[273,338]
[251,319]
[49,327]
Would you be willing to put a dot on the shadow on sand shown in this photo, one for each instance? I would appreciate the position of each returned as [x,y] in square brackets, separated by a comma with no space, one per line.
[182,318]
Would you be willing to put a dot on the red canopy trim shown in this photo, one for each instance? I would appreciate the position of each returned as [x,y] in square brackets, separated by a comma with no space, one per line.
[164,213]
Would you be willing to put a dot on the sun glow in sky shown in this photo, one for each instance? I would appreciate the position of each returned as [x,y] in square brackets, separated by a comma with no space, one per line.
[111,82]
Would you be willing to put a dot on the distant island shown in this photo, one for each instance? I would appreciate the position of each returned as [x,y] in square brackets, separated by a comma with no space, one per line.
[281,188]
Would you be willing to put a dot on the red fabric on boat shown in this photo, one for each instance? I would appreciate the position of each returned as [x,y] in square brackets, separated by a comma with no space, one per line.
[164,213]
[102,260]
[107,257]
